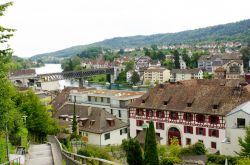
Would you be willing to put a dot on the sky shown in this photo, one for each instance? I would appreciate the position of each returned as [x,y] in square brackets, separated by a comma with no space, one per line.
[49,25]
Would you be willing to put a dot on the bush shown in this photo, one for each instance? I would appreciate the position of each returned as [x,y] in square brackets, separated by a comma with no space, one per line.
[195,149]
[220,159]
[199,148]
[94,151]
[170,161]
[243,161]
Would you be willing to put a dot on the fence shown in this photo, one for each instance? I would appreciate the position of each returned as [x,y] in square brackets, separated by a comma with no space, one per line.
[74,159]
[15,161]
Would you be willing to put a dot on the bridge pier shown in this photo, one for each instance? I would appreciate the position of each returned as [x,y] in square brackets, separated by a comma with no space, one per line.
[81,82]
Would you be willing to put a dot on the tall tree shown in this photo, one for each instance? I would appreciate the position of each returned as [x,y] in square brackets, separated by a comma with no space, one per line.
[130,65]
[135,78]
[133,152]
[245,144]
[151,153]
[245,56]
[176,59]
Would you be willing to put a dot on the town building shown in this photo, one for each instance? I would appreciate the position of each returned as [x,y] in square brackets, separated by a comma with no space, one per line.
[142,62]
[193,110]
[182,63]
[236,122]
[156,75]
[23,77]
[95,126]
[112,101]
[213,61]
[185,74]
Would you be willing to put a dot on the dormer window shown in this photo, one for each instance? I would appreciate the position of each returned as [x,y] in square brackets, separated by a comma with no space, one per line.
[145,97]
[111,121]
[166,100]
[190,101]
[215,103]
[91,122]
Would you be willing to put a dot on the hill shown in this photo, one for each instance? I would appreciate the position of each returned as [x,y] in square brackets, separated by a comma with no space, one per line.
[238,31]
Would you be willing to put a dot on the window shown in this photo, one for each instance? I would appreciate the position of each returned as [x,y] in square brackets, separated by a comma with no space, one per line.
[188,117]
[138,131]
[107,136]
[149,113]
[201,141]
[111,111]
[101,99]
[188,141]
[200,118]
[241,123]
[200,131]
[213,145]
[213,132]
[89,98]
[92,122]
[160,114]
[139,122]
[123,131]
[173,115]
[139,112]
[213,119]
[95,99]
[188,129]
[160,126]
[108,100]
[119,113]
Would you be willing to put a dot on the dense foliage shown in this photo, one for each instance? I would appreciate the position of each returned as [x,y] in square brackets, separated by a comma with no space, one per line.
[132,148]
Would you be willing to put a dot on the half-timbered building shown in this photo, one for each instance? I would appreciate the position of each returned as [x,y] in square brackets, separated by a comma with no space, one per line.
[192,110]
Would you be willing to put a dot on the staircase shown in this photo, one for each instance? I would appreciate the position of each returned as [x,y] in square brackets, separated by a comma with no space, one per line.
[40,154]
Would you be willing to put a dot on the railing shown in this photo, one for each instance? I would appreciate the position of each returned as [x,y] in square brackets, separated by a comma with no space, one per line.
[75,159]
[15,161]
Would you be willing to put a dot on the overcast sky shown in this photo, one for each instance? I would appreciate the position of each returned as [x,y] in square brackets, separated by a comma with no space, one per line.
[49,25]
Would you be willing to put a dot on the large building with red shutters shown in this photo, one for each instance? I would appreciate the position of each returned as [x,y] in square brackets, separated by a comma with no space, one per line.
[192,111]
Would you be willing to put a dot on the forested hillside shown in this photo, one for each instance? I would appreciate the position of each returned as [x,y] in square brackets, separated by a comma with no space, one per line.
[238,31]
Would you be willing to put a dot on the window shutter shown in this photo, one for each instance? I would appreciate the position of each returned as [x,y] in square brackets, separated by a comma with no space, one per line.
[157,114]
[209,119]
[185,129]
[197,130]
[204,131]
[209,132]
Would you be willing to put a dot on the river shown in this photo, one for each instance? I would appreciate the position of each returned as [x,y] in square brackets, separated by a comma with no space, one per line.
[55,68]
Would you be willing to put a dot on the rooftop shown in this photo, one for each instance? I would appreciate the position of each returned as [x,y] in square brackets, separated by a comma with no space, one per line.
[226,94]
[96,120]
[110,93]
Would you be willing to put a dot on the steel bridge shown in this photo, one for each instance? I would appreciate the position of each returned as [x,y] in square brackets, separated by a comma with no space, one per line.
[74,74]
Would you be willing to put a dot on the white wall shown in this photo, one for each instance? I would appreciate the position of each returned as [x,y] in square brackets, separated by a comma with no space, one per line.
[50,86]
[115,137]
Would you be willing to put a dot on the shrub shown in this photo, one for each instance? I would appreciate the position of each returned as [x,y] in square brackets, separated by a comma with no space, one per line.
[243,161]
[199,148]
[94,151]
[220,159]
[170,161]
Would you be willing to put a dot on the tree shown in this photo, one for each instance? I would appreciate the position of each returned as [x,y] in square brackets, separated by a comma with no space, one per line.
[129,66]
[74,122]
[207,76]
[135,78]
[176,59]
[169,64]
[245,56]
[133,152]
[245,144]
[150,152]
[121,51]
[121,77]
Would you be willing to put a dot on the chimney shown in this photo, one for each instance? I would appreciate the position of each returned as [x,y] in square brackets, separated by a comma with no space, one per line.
[89,111]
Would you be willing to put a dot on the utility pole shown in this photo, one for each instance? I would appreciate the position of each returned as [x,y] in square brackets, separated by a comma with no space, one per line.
[6,136]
